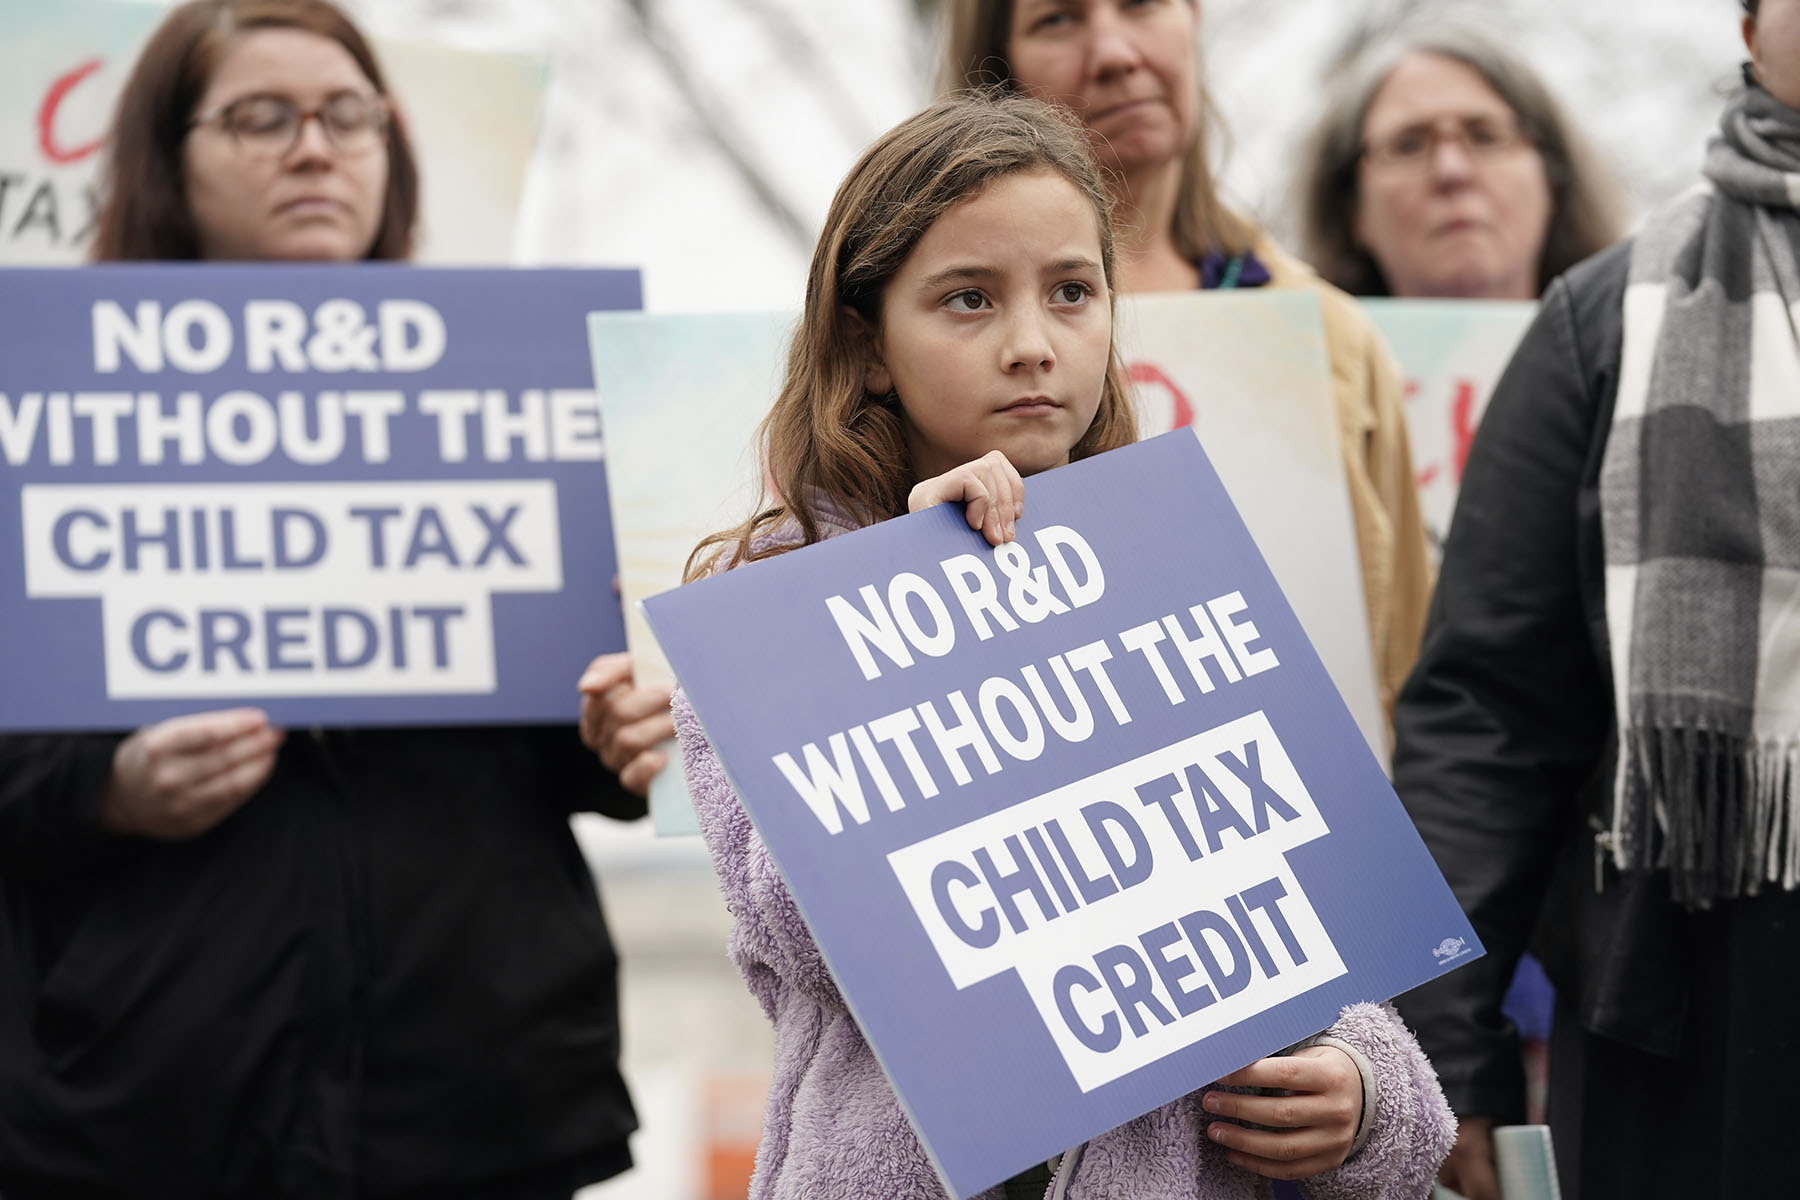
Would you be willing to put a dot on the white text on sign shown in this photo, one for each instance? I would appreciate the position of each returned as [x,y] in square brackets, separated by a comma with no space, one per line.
[232,589]
[1184,848]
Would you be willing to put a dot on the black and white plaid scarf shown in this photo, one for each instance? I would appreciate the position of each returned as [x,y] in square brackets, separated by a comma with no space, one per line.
[1700,509]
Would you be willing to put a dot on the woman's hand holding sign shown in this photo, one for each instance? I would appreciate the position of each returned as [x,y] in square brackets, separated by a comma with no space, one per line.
[1310,1128]
[625,722]
[178,778]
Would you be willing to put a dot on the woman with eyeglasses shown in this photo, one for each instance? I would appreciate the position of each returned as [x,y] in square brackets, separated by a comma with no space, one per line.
[247,133]
[1131,71]
[237,962]
[1442,167]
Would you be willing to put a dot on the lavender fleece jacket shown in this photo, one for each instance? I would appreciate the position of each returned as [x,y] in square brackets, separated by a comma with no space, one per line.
[834,1129]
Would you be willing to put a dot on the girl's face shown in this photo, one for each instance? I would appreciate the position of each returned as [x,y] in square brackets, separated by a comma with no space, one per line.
[1452,199]
[1127,68]
[996,332]
[255,194]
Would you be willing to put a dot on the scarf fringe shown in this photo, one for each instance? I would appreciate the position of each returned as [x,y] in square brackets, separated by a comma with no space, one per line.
[1716,811]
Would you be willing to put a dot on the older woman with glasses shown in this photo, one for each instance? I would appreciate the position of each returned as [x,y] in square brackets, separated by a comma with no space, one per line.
[241,964]
[1442,167]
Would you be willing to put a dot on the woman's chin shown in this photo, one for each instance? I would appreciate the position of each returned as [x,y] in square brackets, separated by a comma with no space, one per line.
[320,244]
[1144,147]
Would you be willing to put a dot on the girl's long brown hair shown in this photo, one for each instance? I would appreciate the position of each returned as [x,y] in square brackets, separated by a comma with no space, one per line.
[145,213]
[828,441]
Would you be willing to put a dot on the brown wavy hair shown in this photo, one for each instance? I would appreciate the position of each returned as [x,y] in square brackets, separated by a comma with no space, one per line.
[828,440]
[1585,210]
[975,56]
[145,214]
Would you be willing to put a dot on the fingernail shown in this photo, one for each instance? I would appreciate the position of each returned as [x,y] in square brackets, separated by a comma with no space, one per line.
[1210,1101]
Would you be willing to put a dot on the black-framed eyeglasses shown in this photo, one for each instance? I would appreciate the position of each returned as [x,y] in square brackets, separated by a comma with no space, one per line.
[268,125]
[1414,147]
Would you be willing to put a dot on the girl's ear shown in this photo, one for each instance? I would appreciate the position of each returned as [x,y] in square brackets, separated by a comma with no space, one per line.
[876,377]
[876,380]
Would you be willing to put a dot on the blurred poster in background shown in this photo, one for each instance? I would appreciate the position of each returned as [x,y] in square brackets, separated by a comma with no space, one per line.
[681,396]
[1452,353]
[61,66]
[473,117]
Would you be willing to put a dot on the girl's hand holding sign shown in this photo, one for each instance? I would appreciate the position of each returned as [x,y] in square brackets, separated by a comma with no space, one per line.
[989,487]
[1309,1126]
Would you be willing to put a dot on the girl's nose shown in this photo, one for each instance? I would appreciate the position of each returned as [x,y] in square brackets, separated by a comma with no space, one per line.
[1028,344]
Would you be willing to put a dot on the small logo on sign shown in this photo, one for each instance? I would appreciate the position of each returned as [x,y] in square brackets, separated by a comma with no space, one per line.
[1449,950]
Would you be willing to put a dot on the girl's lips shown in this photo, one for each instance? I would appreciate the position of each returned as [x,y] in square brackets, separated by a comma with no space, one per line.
[1032,405]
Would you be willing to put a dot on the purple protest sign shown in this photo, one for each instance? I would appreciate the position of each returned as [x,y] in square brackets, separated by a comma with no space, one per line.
[368,494]
[1079,822]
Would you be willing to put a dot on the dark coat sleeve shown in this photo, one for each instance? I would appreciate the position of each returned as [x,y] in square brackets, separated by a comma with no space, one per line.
[1505,720]
[578,778]
[50,786]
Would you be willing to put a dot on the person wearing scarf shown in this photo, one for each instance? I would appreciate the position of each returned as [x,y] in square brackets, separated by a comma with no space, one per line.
[1601,740]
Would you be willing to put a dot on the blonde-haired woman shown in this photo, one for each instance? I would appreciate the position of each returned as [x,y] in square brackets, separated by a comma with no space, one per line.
[1130,71]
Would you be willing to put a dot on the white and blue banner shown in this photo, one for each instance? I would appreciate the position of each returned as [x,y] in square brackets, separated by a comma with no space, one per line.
[351,495]
[1079,822]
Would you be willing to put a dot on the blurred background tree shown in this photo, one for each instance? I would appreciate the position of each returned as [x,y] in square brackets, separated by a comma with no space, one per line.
[702,139]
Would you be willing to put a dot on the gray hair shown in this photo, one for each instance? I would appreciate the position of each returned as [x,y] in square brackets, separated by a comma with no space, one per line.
[1584,203]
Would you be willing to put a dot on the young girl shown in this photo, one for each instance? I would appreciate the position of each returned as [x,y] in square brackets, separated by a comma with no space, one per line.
[957,337]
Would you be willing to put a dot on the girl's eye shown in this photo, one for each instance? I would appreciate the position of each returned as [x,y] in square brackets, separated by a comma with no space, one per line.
[1073,292]
[968,301]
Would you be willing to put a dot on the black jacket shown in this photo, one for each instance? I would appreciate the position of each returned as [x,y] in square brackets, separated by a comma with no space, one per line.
[386,972]
[1505,733]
